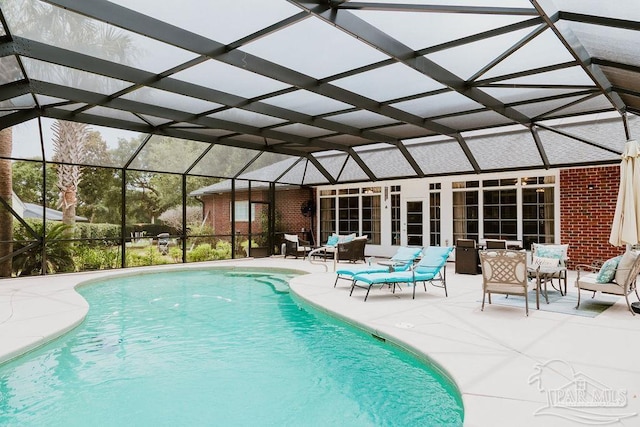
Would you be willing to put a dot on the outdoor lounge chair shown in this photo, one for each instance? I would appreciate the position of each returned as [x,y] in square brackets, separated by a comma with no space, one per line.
[620,279]
[401,261]
[504,271]
[431,268]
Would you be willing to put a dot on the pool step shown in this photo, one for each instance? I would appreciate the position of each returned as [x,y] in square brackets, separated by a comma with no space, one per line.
[279,285]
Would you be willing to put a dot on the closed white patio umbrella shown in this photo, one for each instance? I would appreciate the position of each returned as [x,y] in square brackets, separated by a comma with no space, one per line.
[625,229]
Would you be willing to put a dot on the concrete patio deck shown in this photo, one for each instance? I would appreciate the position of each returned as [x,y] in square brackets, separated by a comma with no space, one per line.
[508,367]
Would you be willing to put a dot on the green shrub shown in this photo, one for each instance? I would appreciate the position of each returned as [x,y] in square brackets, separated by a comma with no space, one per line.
[144,257]
[245,243]
[96,258]
[175,254]
[202,252]
[58,253]
[200,230]
[223,250]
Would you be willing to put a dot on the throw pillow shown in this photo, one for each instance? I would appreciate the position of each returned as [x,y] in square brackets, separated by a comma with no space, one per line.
[333,240]
[608,270]
[550,251]
[625,264]
[545,262]
[347,239]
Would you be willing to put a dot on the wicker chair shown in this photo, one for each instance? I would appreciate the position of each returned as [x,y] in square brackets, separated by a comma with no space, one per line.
[352,251]
[295,246]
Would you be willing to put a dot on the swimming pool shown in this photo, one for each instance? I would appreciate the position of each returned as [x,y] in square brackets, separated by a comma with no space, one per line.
[218,347]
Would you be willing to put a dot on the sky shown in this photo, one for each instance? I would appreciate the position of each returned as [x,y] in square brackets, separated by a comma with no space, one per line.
[26,138]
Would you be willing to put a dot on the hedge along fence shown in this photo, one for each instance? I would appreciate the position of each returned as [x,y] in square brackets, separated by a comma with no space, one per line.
[81,230]
[85,230]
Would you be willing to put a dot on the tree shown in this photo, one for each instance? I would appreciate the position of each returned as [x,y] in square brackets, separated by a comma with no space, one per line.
[100,188]
[69,145]
[173,217]
[27,180]
[6,186]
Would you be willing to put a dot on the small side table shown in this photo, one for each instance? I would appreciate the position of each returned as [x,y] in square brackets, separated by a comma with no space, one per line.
[544,274]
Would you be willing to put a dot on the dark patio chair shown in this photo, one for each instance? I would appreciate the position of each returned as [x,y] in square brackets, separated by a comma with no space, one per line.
[352,251]
[163,243]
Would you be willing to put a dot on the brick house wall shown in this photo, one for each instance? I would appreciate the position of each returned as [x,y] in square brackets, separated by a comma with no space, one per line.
[586,213]
[217,208]
[288,203]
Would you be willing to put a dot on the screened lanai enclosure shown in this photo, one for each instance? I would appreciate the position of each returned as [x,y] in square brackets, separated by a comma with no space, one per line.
[118,117]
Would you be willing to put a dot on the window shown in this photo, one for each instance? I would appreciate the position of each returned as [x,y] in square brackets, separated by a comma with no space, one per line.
[395,215]
[537,215]
[348,215]
[434,219]
[327,217]
[356,211]
[371,217]
[500,214]
[465,214]
[242,211]
[415,226]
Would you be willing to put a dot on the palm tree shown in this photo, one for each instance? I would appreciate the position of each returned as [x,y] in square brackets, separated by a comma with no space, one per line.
[69,146]
[6,186]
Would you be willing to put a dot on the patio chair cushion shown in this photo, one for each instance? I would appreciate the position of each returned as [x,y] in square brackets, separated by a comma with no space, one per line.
[625,264]
[608,270]
[589,282]
[291,237]
[406,253]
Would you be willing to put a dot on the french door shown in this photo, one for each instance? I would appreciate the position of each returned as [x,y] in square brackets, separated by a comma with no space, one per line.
[414,228]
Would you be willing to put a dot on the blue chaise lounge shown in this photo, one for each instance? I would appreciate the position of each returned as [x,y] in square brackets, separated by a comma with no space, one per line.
[431,268]
[403,260]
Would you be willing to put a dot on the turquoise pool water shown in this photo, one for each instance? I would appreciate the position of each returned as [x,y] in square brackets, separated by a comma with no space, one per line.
[218,348]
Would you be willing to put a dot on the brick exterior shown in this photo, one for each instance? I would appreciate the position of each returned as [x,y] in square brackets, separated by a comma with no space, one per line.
[217,208]
[586,214]
[288,204]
